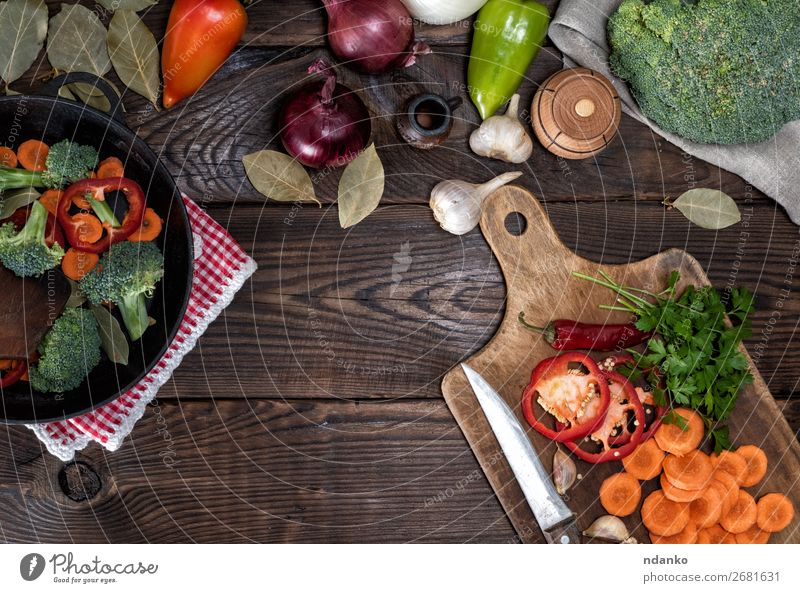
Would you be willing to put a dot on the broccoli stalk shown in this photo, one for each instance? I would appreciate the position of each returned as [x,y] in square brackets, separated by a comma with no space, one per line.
[69,351]
[66,163]
[126,275]
[25,252]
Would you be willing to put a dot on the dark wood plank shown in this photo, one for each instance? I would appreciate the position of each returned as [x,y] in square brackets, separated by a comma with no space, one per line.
[386,308]
[231,471]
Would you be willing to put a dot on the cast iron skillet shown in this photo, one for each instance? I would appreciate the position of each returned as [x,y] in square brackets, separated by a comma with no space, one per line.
[52,118]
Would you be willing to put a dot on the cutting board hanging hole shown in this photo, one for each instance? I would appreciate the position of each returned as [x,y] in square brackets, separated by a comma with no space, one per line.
[516,224]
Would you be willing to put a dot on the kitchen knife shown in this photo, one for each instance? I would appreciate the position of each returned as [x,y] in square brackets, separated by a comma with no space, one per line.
[555,519]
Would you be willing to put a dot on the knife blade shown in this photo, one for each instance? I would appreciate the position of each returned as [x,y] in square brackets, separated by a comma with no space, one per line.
[554,517]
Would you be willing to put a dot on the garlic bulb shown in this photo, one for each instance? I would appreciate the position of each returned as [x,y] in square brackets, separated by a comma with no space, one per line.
[503,137]
[457,204]
[610,528]
[443,12]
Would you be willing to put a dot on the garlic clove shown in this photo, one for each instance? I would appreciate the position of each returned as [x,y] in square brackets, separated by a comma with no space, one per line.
[564,472]
[503,137]
[610,528]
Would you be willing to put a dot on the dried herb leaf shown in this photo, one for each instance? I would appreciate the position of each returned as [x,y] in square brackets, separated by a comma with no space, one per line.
[134,54]
[88,94]
[360,188]
[708,208]
[134,5]
[14,199]
[279,176]
[77,41]
[114,342]
[23,24]
[76,296]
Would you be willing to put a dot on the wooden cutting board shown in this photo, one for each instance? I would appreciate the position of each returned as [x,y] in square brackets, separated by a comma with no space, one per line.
[537,268]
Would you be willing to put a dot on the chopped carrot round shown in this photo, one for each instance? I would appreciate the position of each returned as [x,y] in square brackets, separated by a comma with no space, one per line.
[676,494]
[733,463]
[6,363]
[673,439]
[687,536]
[663,516]
[730,489]
[756,464]
[645,461]
[741,516]
[150,229]
[8,157]
[690,472]
[88,227]
[775,512]
[620,494]
[754,535]
[110,167]
[706,510]
[715,535]
[49,200]
[76,264]
[32,155]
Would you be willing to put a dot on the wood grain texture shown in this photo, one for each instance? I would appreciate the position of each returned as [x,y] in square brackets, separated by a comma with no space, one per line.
[537,268]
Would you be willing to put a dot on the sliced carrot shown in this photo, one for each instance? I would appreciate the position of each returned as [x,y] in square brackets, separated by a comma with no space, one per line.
[32,155]
[733,463]
[706,510]
[756,464]
[645,461]
[676,494]
[620,494]
[754,535]
[110,167]
[6,363]
[663,516]
[730,489]
[150,229]
[49,200]
[87,227]
[775,512]
[742,515]
[673,439]
[8,158]
[687,536]
[690,472]
[76,264]
[715,535]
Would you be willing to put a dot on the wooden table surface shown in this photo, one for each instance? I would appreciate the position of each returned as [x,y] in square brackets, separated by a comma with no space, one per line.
[311,410]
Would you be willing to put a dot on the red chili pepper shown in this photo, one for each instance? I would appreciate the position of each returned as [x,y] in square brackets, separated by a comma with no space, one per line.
[564,334]
[561,384]
[201,34]
[610,453]
[97,188]
[18,369]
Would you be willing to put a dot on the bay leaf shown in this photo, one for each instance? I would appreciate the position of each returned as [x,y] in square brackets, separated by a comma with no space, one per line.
[134,5]
[23,29]
[134,54]
[279,177]
[114,342]
[361,188]
[76,41]
[708,208]
[76,296]
[14,199]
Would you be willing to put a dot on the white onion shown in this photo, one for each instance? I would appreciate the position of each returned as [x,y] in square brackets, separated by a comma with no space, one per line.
[443,12]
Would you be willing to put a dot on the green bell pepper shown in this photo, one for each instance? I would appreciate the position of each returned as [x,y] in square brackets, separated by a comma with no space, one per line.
[508,35]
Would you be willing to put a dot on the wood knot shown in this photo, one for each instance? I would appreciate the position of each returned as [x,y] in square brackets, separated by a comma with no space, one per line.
[79,481]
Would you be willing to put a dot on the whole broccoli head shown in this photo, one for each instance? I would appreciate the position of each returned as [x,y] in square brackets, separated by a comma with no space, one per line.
[25,252]
[126,274]
[69,351]
[712,71]
[68,162]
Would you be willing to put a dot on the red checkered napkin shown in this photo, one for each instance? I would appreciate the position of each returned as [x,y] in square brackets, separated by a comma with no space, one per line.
[220,269]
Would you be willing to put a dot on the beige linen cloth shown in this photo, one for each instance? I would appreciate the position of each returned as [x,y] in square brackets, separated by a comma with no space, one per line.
[773,166]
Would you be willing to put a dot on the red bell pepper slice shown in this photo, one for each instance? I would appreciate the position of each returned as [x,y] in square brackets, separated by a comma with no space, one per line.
[579,399]
[17,370]
[96,189]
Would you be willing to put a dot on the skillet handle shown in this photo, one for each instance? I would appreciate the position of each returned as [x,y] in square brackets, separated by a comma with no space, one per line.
[52,86]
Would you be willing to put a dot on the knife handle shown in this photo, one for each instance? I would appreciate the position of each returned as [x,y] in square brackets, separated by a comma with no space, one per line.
[564,533]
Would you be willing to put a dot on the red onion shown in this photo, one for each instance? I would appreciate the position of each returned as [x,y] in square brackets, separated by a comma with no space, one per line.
[373,35]
[324,124]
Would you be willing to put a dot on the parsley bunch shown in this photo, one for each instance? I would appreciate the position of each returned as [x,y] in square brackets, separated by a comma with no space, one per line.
[693,360]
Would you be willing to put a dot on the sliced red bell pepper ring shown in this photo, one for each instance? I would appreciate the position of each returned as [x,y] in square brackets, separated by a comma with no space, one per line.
[617,453]
[554,372]
[14,374]
[96,189]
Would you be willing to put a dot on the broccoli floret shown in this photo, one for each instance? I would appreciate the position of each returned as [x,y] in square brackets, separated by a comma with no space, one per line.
[126,274]
[712,71]
[69,351]
[25,252]
[66,163]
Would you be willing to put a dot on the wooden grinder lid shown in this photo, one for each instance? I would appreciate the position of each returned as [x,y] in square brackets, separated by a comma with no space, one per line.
[576,113]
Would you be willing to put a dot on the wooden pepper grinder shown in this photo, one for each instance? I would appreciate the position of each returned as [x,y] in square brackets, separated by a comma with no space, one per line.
[576,113]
